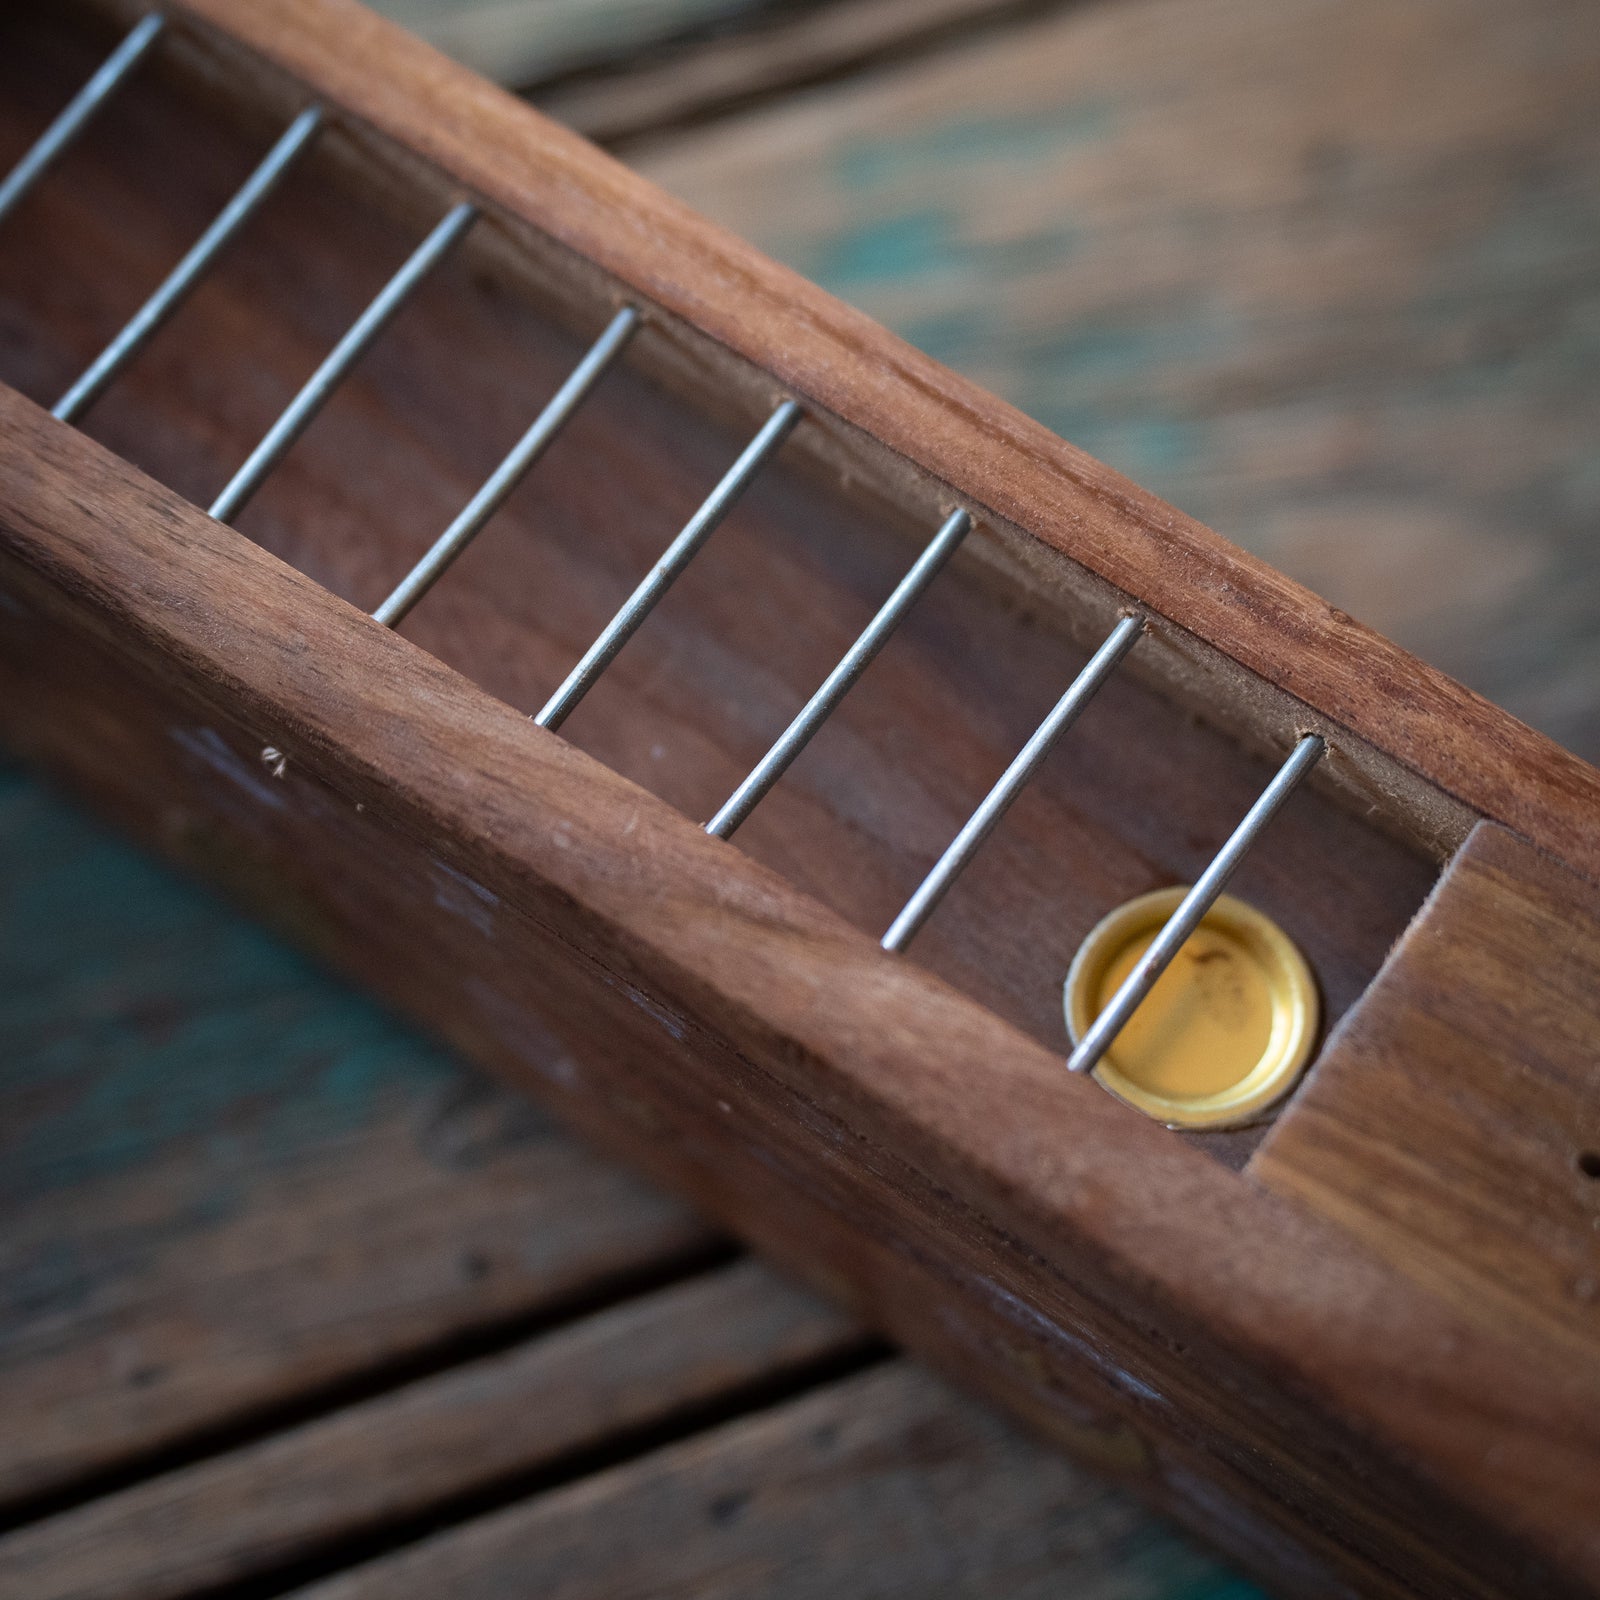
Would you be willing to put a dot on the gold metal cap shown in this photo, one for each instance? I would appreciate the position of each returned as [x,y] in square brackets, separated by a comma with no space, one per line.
[1227,1028]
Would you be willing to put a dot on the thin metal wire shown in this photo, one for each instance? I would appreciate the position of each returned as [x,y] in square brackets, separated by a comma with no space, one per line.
[666,571]
[1194,905]
[181,280]
[498,486]
[79,112]
[318,389]
[997,802]
[842,679]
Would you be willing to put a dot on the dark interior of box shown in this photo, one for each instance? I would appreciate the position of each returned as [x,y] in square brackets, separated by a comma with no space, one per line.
[1138,795]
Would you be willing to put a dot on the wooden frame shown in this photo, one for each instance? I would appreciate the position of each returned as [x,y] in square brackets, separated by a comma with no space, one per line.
[1308,1393]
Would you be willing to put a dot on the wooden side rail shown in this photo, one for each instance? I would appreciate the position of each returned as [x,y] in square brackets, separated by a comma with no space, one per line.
[1453,1121]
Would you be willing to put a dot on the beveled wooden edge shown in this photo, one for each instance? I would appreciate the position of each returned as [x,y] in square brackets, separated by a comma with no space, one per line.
[1381,1386]
[1445,1117]
[990,456]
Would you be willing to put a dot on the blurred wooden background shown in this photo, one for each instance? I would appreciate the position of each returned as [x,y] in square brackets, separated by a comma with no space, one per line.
[1324,273]
[287,1299]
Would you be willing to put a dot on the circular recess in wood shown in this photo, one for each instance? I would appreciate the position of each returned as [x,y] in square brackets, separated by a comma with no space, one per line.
[1226,1030]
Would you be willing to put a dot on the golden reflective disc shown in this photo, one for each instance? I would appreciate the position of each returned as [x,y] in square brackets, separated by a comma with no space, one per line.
[1227,1028]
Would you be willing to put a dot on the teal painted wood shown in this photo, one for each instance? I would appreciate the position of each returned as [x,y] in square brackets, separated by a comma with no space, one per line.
[216,1032]
[227,1182]
[1327,277]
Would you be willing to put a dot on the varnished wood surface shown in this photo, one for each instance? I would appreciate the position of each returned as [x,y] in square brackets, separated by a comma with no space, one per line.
[1323,276]
[960,436]
[137,1006]
[1456,1121]
[745,1045]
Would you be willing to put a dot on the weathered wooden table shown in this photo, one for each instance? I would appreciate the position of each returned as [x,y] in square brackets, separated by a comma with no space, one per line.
[288,1300]
[286,1296]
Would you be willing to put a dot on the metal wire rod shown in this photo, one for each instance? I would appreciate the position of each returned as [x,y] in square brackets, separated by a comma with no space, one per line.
[1199,900]
[497,487]
[320,386]
[666,571]
[842,679]
[997,802]
[79,112]
[182,279]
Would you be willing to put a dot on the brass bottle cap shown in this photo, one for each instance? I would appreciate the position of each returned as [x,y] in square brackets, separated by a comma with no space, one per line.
[1227,1028]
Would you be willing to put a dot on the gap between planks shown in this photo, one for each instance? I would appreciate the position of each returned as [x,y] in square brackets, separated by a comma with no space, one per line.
[377,1474]
[884,1484]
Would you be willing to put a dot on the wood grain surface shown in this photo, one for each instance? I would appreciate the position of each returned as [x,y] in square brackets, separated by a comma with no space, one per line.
[769,52]
[1323,276]
[194,1236]
[152,991]
[886,1486]
[1456,1120]
[305,1493]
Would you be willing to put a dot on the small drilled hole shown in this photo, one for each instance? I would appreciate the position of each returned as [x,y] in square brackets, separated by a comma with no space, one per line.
[1589,1163]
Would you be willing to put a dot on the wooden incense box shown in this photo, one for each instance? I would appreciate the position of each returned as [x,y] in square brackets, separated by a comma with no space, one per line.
[1355,1343]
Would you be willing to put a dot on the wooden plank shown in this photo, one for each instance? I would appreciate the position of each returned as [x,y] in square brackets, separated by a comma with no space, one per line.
[373,1468]
[1239,1359]
[885,1485]
[1454,1120]
[1324,276]
[904,408]
[225,1194]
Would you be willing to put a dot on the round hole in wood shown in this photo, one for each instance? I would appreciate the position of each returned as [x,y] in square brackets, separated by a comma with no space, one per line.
[1227,1028]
